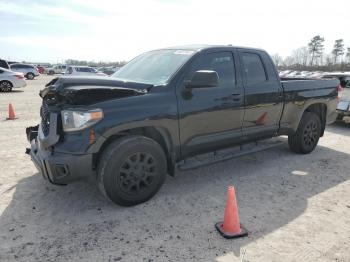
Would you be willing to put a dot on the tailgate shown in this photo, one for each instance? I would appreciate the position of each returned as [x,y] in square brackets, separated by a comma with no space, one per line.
[344,103]
[346,94]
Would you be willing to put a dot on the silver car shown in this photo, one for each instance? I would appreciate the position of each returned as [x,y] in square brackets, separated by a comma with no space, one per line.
[29,71]
[82,70]
[10,79]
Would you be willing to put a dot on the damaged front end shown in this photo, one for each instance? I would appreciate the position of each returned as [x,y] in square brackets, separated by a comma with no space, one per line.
[46,138]
[85,91]
[32,132]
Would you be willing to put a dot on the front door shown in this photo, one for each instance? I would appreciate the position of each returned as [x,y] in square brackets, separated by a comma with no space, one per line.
[210,118]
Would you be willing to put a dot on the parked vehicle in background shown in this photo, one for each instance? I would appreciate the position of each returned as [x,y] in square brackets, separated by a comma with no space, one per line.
[29,71]
[82,70]
[343,107]
[284,73]
[41,69]
[295,74]
[166,107]
[57,69]
[10,79]
[305,74]
[109,70]
[316,74]
[4,64]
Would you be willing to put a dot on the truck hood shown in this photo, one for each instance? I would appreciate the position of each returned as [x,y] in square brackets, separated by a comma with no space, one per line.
[87,90]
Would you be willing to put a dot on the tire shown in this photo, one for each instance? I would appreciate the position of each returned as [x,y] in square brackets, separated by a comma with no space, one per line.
[305,139]
[30,76]
[6,86]
[131,170]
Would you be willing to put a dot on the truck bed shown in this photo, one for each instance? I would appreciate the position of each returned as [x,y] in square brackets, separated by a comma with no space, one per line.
[318,86]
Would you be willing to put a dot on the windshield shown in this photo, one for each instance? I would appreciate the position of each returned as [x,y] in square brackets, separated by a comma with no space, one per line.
[154,67]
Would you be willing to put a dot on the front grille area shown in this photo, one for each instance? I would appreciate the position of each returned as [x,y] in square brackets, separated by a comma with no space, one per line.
[45,118]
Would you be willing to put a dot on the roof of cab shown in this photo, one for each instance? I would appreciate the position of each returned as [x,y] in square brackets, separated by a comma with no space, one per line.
[204,47]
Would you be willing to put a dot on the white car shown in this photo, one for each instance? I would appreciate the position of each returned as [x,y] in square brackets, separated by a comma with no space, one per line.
[82,70]
[57,69]
[29,71]
[10,79]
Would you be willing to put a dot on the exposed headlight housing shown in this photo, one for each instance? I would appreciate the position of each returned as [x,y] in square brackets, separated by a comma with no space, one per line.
[77,120]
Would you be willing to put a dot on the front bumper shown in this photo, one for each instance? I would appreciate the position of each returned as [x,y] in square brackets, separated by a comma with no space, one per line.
[58,168]
[19,83]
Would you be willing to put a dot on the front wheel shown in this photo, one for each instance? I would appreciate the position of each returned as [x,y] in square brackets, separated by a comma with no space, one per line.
[132,170]
[30,76]
[6,86]
[305,139]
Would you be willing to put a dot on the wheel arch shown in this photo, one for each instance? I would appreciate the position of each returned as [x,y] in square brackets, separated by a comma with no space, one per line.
[319,109]
[6,80]
[158,134]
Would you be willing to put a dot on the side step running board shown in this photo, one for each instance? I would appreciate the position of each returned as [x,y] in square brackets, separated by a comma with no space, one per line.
[226,154]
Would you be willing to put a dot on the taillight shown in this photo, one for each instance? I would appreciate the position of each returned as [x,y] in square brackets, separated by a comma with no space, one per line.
[340,92]
[19,76]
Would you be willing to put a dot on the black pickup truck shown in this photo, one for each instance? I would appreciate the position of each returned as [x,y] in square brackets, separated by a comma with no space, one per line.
[167,106]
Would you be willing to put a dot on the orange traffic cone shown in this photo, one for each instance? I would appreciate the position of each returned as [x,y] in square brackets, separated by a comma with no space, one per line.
[231,228]
[262,119]
[12,115]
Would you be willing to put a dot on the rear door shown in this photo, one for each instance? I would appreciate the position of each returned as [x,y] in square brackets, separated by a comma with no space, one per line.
[210,118]
[263,95]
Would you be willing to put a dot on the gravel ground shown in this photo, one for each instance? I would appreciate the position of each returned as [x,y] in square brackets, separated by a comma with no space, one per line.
[296,207]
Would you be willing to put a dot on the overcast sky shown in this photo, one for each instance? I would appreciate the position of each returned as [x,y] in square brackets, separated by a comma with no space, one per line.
[113,30]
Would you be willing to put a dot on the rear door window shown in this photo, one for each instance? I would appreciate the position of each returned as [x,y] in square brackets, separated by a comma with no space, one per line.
[253,67]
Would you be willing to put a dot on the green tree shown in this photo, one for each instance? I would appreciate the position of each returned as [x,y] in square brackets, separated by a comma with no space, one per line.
[338,49]
[315,48]
[348,55]
[277,59]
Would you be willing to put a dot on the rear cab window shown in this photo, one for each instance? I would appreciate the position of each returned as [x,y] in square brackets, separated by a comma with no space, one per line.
[253,68]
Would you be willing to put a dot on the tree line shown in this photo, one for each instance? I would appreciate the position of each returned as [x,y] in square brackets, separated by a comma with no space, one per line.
[313,57]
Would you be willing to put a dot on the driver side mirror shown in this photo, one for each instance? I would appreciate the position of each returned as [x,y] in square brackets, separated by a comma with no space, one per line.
[203,79]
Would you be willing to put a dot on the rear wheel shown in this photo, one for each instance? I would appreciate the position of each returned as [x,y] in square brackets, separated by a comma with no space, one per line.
[30,76]
[6,86]
[132,170]
[305,139]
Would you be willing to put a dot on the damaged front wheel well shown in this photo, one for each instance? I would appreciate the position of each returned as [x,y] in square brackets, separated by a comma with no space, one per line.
[151,132]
